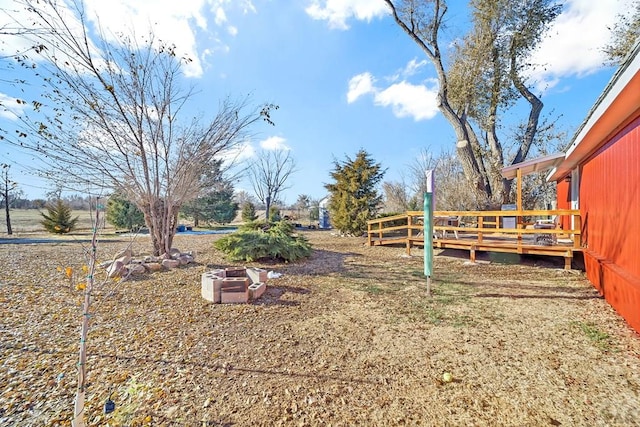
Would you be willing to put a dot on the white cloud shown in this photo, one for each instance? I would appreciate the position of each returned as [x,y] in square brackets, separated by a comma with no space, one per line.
[359,85]
[239,153]
[221,16]
[10,108]
[170,21]
[573,46]
[413,67]
[409,100]
[274,143]
[337,12]
[404,98]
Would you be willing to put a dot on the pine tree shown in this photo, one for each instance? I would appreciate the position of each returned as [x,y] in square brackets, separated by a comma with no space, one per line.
[274,214]
[249,212]
[354,195]
[58,218]
[216,205]
[123,214]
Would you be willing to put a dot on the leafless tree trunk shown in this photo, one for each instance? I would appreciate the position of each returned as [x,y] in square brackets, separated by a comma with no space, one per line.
[7,187]
[269,174]
[112,116]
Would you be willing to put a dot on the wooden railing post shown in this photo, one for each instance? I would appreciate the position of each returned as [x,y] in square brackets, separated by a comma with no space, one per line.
[409,234]
[519,235]
[577,225]
[369,239]
[480,227]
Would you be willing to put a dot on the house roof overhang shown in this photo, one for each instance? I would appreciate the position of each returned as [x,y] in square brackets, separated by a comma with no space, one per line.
[616,107]
[527,167]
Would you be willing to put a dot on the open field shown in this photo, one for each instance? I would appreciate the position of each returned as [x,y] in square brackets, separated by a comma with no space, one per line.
[345,338]
[28,221]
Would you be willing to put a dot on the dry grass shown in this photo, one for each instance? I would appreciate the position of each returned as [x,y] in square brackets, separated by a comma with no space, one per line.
[347,337]
[28,221]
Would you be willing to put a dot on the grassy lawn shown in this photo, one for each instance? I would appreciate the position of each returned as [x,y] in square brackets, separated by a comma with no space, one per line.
[347,337]
[28,221]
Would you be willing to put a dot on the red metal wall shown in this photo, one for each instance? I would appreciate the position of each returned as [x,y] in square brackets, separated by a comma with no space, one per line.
[610,211]
[563,192]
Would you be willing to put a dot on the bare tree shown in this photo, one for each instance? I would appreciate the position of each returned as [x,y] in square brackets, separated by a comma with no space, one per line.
[269,174]
[302,204]
[241,197]
[625,34]
[8,188]
[451,189]
[484,78]
[397,197]
[113,117]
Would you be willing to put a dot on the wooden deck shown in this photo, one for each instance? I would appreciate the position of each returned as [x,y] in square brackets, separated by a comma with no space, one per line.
[533,233]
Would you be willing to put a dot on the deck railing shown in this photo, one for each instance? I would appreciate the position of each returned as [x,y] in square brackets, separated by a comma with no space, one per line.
[554,231]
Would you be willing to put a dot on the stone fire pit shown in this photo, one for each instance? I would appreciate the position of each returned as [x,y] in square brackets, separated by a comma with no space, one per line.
[234,285]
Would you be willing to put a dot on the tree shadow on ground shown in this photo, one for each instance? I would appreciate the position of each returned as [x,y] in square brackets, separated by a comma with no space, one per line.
[516,290]
[209,364]
[47,241]
[273,296]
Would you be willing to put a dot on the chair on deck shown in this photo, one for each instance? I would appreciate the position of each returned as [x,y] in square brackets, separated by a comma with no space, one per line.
[447,221]
[546,239]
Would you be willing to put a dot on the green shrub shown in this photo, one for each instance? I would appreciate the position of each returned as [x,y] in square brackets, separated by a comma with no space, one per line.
[58,218]
[260,240]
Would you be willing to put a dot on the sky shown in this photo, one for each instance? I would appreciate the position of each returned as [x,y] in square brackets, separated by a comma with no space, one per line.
[343,74]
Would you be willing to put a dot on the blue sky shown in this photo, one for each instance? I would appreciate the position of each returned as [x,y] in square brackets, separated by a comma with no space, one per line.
[344,75]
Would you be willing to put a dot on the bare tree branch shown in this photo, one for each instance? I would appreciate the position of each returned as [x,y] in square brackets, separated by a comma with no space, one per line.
[269,174]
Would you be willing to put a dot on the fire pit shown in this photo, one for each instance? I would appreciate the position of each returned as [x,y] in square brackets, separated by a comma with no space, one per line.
[234,285]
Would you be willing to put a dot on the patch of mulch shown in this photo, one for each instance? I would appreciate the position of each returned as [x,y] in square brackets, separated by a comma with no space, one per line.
[347,337]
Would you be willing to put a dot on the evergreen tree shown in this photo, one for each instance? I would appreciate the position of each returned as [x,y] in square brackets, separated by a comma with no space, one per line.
[274,214]
[354,195]
[217,205]
[249,212]
[220,206]
[58,218]
[123,214]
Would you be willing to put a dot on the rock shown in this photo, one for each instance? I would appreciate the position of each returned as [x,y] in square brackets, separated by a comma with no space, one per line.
[125,259]
[185,259]
[150,258]
[170,263]
[104,264]
[153,266]
[174,253]
[125,253]
[136,269]
[115,269]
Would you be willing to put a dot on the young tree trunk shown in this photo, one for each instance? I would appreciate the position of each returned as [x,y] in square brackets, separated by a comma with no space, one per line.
[8,214]
[6,194]
[78,410]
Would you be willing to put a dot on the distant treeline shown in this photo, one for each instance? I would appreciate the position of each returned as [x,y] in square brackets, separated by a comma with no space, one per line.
[75,202]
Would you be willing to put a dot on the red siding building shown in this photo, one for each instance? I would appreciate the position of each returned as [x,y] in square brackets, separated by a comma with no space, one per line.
[600,175]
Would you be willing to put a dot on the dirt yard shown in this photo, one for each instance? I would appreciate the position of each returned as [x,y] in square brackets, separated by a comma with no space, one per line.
[346,338]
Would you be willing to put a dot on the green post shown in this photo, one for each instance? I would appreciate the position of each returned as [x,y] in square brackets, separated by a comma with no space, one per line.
[428,238]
